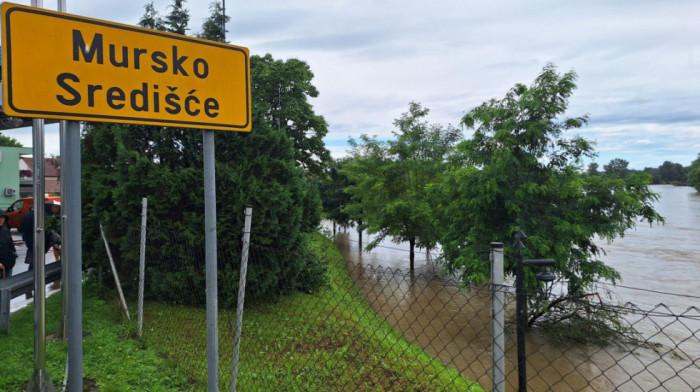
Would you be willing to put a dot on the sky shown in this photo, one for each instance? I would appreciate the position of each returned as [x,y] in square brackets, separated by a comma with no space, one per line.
[638,62]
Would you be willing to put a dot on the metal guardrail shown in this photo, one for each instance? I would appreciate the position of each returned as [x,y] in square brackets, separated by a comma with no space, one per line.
[21,284]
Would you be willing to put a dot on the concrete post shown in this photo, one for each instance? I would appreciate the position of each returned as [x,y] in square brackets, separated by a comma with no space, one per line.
[498,375]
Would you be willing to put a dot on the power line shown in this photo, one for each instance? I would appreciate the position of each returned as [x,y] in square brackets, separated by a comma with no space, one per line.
[649,290]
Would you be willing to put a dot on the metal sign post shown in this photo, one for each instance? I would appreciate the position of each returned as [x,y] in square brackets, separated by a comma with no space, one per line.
[211,261]
[60,66]
[73,242]
[40,378]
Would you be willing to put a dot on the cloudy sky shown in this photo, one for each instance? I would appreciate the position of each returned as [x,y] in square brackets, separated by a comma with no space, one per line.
[638,61]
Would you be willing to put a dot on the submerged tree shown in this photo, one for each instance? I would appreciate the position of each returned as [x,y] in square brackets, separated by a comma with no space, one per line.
[518,172]
[332,187]
[394,180]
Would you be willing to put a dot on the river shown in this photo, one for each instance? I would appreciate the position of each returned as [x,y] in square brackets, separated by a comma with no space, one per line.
[656,262]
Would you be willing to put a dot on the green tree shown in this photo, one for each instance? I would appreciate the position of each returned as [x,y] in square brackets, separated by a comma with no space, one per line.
[694,174]
[593,169]
[673,173]
[213,26]
[362,170]
[283,90]
[123,163]
[518,172]
[333,195]
[617,167]
[178,18]
[7,141]
[396,193]
[151,19]
[655,175]
[171,147]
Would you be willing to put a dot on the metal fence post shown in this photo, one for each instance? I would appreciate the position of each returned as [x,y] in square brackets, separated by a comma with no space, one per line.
[520,310]
[5,310]
[498,371]
[142,263]
[241,297]
[114,272]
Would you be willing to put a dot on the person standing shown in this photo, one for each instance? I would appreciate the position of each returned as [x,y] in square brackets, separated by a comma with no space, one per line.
[8,252]
[53,227]
[26,228]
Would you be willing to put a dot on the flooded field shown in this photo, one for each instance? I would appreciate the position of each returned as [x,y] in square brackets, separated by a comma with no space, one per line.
[660,266]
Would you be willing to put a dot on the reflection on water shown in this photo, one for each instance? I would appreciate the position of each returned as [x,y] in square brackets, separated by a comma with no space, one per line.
[453,325]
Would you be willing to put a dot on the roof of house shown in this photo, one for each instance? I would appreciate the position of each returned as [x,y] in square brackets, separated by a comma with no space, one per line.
[49,169]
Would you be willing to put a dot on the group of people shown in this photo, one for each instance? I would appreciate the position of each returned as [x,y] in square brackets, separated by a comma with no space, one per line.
[8,251]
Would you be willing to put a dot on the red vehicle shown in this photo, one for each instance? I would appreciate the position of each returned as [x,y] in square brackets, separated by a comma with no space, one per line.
[16,210]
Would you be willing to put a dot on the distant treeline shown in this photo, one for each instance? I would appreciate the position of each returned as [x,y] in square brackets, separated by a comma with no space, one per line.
[667,173]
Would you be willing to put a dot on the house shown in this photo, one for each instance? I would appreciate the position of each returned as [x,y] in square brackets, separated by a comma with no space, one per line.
[10,174]
[52,180]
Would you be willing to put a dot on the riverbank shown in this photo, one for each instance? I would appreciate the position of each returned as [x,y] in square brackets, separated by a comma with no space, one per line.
[329,341]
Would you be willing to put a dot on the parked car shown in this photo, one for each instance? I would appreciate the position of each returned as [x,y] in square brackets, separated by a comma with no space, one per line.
[16,210]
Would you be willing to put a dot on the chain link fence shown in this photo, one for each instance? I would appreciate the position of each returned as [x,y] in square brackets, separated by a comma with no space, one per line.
[329,339]
[373,327]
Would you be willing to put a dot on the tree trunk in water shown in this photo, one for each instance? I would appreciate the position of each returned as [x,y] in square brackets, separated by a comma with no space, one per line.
[359,232]
[333,228]
[412,243]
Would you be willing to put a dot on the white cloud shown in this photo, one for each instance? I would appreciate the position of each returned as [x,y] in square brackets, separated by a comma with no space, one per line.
[638,61]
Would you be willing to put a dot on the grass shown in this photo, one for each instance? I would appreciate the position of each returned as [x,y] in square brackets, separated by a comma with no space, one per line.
[327,341]
[111,359]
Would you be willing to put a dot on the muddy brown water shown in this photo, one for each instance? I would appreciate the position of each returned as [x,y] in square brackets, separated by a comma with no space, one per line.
[453,325]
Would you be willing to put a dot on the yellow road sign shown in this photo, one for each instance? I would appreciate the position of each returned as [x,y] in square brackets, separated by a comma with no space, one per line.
[64,66]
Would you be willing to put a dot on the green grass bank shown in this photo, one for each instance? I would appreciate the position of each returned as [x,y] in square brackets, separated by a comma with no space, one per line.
[327,341]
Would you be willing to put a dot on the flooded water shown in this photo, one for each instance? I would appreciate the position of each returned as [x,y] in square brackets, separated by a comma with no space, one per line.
[454,325]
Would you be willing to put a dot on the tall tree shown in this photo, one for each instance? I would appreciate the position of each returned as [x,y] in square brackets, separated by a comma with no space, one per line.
[125,162]
[213,27]
[283,92]
[617,167]
[151,19]
[178,18]
[333,195]
[592,169]
[519,173]
[401,204]
[655,175]
[172,147]
[672,173]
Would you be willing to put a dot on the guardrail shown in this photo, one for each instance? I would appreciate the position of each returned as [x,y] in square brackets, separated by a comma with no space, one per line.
[21,284]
